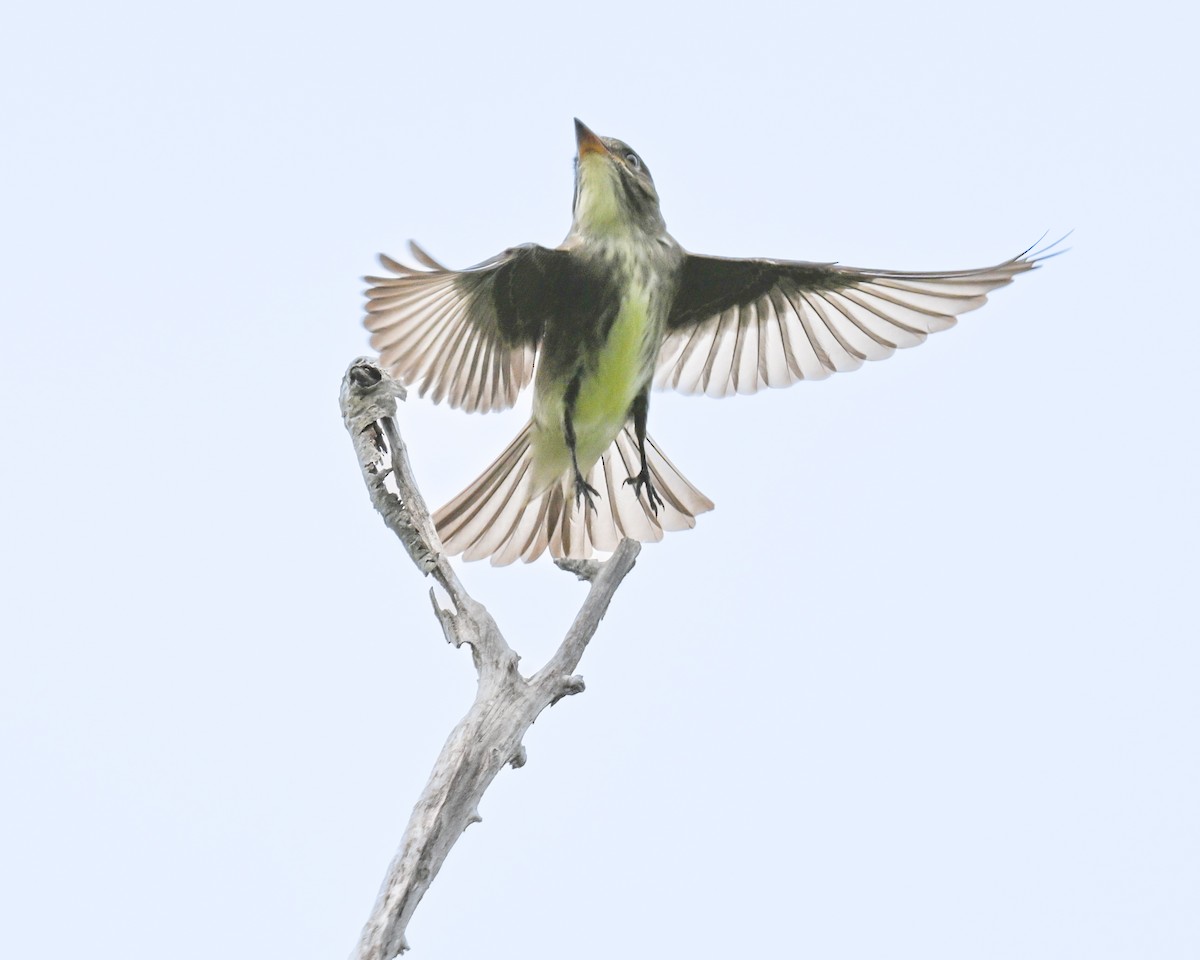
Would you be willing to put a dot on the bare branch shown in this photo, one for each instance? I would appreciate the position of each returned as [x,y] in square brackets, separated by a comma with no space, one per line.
[506,703]
[555,674]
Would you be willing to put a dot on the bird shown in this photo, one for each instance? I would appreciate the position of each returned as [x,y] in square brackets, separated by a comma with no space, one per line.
[617,308]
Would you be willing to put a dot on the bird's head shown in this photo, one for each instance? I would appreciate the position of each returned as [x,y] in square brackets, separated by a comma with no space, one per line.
[614,192]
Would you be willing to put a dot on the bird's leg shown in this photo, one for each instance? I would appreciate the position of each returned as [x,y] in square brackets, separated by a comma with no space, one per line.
[583,490]
[640,408]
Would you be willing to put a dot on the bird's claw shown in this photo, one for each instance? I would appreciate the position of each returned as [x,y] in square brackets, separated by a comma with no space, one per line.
[585,492]
[642,481]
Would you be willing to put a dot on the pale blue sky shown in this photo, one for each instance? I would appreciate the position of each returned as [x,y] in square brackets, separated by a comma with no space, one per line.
[926,683]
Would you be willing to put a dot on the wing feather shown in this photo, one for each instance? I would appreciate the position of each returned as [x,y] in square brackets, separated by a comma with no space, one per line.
[466,337]
[738,326]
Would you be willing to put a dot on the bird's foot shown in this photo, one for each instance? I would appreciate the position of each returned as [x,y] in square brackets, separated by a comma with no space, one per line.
[642,481]
[585,492]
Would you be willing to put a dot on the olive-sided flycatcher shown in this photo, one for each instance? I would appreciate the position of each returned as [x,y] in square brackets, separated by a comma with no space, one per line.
[617,307]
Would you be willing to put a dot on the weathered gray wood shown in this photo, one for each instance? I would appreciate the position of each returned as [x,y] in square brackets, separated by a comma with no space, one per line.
[506,703]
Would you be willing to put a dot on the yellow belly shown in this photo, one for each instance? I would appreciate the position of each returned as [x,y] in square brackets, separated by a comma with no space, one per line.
[606,392]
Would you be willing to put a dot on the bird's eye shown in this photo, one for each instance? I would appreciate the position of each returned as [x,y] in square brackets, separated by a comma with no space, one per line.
[633,161]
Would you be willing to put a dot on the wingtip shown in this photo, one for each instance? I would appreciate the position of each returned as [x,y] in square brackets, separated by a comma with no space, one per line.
[419,254]
[422,256]
[1037,253]
[394,265]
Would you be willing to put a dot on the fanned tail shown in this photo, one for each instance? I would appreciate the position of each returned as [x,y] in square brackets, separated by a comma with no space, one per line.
[501,515]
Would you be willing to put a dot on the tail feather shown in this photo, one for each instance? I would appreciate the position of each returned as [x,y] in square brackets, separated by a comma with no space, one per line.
[502,516]
[528,541]
[485,515]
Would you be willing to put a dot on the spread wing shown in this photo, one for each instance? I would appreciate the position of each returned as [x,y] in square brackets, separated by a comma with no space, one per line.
[740,325]
[469,337]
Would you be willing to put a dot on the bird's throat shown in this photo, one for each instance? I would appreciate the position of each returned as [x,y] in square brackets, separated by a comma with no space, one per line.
[599,210]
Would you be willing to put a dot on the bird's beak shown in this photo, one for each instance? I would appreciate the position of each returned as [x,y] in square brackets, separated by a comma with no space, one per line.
[586,141]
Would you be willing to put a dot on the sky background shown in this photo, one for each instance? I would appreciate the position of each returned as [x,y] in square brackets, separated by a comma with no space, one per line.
[926,684]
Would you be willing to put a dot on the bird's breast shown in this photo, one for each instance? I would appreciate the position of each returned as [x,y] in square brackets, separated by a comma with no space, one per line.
[625,362]
[614,365]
